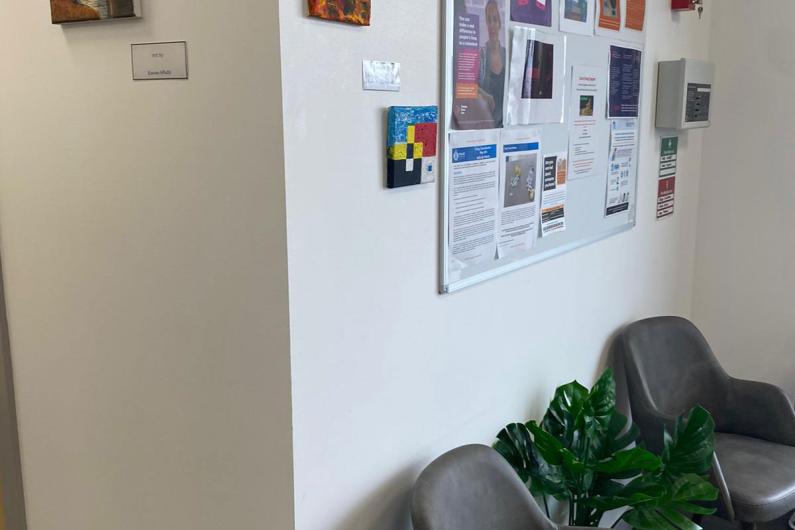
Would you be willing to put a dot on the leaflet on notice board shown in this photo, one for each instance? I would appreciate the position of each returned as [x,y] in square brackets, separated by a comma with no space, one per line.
[537,81]
[577,16]
[624,89]
[609,16]
[553,198]
[588,98]
[473,185]
[623,154]
[636,15]
[518,229]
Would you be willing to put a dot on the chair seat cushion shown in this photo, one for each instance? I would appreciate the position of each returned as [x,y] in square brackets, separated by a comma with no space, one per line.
[760,476]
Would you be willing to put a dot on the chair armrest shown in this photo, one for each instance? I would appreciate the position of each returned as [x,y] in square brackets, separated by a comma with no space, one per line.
[759,410]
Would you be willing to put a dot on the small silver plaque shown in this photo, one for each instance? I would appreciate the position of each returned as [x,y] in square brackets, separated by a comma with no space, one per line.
[160,60]
[381,75]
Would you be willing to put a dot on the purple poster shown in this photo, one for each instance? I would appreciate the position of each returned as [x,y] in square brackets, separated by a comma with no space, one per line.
[538,12]
[624,90]
[479,64]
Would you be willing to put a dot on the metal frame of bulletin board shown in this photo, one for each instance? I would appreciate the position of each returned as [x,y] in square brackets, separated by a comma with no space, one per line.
[586,220]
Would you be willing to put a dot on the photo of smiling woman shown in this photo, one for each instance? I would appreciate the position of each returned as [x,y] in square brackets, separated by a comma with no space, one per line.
[492,64]
[480,64]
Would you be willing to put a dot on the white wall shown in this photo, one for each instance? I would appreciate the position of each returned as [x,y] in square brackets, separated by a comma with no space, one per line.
[387,374]
[143,238]
[744,287]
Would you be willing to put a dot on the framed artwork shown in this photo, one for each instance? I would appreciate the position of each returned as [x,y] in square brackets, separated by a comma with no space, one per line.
[64,11]
[350,11]
[411,146]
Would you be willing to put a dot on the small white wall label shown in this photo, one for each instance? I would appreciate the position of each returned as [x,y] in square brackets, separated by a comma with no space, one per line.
[381,75]
[160,60]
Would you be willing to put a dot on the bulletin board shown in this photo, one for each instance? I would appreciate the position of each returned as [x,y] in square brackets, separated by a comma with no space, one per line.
[585,211]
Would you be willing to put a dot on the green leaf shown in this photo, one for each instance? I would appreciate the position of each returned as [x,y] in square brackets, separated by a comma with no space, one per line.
[653,499]
[602,398]
[678,520]
[564,415]
[647,520]
[691,487]
[686,507]
[690,448]
[515,444]
[550,448]
[617,437]
[629,463]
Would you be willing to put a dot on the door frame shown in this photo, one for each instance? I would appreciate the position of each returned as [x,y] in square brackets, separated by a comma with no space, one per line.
[13,496]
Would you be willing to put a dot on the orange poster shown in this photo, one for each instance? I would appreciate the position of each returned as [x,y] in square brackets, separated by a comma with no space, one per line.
[636,14]
[610,14]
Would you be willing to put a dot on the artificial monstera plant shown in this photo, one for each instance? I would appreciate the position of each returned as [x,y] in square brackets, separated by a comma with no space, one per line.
[584,454]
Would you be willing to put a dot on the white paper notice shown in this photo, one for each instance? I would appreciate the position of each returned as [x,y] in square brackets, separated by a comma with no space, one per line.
[553,196]
[587,102]
[577,16]
[473,186]
[623,152]
[537,80]
[519,195]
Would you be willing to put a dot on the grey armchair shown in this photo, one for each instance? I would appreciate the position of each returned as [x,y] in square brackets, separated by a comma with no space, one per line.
[669,368]
[474,488]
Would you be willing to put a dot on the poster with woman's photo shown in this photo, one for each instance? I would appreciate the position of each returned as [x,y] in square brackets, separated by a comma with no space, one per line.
[537,80]
[577,16]
[480,64]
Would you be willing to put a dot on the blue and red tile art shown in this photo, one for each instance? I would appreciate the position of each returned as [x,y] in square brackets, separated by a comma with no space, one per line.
[411,146]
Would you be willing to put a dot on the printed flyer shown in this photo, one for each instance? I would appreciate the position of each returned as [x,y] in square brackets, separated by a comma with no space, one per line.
[624,89]
[519,191]
[588,95]
[577,16]
[479,64]
[623,152]
[636,14]
[473,186]
[538,73]
[553,199]
[610,14]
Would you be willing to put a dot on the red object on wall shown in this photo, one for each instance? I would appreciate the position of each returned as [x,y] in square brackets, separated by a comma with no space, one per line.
[683,5]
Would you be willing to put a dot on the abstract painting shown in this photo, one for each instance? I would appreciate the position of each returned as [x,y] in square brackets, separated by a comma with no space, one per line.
[350,11]
[83,10]
[411,146]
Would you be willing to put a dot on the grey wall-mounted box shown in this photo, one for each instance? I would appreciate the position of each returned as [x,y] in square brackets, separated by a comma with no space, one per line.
[684,94]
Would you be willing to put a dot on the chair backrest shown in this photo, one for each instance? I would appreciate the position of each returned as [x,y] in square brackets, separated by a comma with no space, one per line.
[669,364]
[474,488]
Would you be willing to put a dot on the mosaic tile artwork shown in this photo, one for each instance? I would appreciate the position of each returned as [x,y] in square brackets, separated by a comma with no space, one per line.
[411,146]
